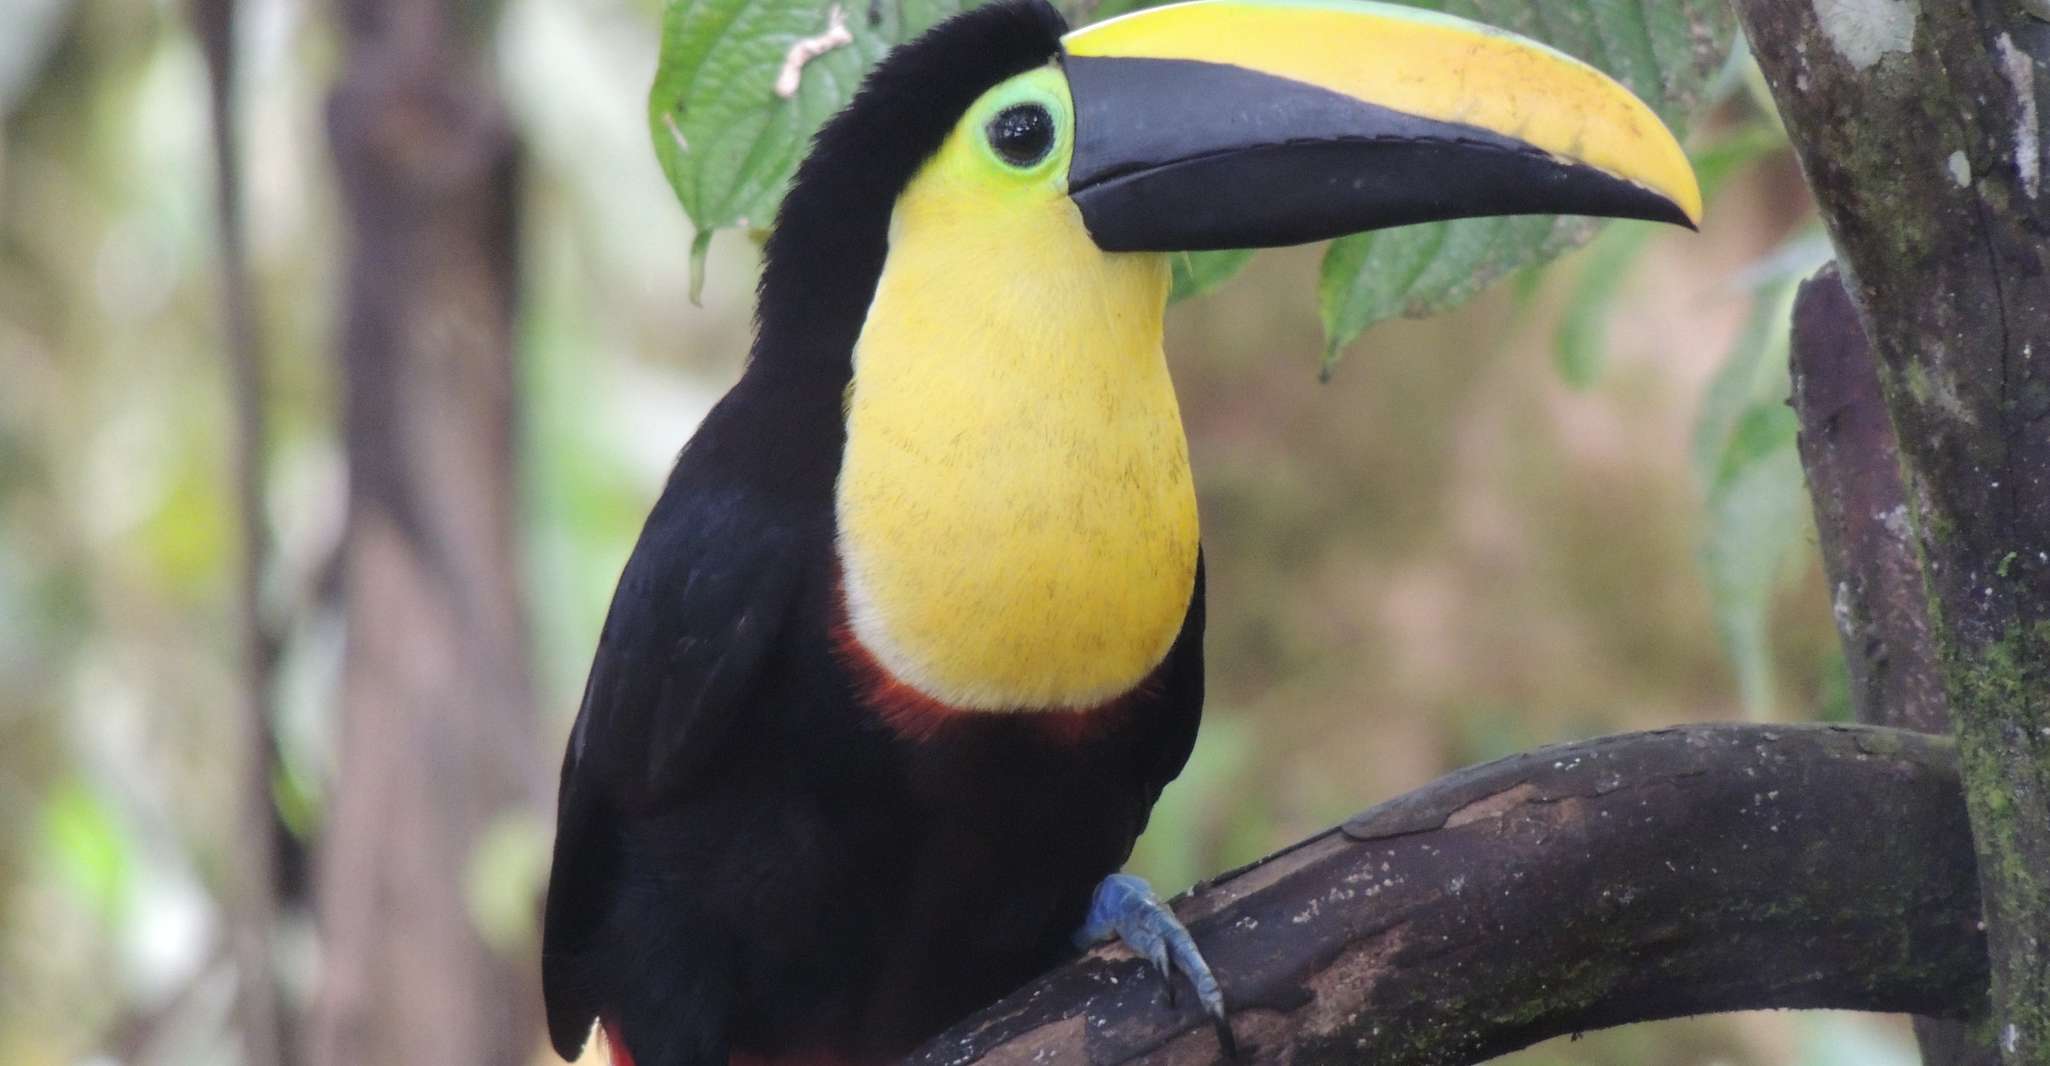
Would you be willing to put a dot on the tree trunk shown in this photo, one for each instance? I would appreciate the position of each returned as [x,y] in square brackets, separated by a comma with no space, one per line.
[1919,124]
[438,733]
[250,870]
[1868,551]
[1646,876]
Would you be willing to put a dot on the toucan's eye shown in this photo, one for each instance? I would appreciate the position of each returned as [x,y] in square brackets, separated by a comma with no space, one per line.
[1022,135]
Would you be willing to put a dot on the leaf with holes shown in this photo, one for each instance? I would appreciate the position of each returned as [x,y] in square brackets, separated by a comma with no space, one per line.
[727,134]
[1665,51]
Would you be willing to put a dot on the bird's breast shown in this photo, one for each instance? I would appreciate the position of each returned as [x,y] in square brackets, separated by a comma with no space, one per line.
[1019,567]
[1016,521]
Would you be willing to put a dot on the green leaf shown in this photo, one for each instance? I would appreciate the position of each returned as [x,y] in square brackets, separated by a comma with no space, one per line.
[88,846]
[1196,273]
[700,251]
[1722,159]
[1756,510]
[727,141]
[505,877]
[1581,346]
[1665,51]
[1755,371]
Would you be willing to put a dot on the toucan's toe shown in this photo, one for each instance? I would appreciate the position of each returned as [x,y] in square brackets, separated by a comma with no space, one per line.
[1126,907]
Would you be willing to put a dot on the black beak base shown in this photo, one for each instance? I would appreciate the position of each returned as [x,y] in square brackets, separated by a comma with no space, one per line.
[1178,155]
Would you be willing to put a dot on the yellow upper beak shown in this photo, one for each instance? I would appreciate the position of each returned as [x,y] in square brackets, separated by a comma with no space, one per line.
[1453,79]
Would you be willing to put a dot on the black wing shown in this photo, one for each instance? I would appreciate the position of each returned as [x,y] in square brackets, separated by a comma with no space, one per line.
[699,611]
[1181,699]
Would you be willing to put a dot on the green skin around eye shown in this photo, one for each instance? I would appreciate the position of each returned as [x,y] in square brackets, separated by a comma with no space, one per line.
[1045,88]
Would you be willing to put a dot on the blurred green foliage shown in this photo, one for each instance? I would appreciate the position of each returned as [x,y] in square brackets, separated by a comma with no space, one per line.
[1745,457]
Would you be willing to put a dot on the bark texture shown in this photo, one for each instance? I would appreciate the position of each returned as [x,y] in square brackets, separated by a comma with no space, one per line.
[1868,551]
[1919,124]
[438,731]
[1861,514]
[1645,876]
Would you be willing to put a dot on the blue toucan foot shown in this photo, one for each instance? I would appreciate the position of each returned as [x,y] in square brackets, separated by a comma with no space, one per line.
[1125,907]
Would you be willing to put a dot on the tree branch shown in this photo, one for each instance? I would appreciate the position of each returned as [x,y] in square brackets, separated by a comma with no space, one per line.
[1861,518]
[251,870]
[1861,513]
[1921,128]
[1580,886]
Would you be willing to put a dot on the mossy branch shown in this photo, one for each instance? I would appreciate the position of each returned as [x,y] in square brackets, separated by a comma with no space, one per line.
[1852,461]
[1645,876]
[1920,126]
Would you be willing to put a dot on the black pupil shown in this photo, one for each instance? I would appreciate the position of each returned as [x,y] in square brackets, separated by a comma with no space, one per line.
[1022,134]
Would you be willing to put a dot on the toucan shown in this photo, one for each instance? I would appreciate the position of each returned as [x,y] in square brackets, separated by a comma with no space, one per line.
[912,639]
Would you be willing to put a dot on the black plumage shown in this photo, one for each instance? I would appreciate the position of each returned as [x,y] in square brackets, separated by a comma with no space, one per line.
[751,861]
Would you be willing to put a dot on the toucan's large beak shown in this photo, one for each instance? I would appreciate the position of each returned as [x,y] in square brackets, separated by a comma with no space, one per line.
[1256,123]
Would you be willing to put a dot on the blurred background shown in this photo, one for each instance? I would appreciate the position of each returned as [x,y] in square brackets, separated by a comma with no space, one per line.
[1517,523]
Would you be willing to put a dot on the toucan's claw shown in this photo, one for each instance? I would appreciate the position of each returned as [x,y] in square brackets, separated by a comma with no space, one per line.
[1157,954]
[1125,907]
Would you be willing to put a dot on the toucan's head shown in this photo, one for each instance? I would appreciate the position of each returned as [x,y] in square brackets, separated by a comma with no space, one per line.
[1210,124]
[974,256]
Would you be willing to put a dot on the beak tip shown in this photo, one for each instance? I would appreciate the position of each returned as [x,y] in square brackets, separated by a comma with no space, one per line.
[1691,219]
[1686,202]
[1682,207]
[1691,210]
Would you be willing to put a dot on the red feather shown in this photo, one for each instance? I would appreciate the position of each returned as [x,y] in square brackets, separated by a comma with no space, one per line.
[915,716]
[614,1046]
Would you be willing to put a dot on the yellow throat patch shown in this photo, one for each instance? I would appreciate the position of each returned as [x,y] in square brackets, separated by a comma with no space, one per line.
[1017,525]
